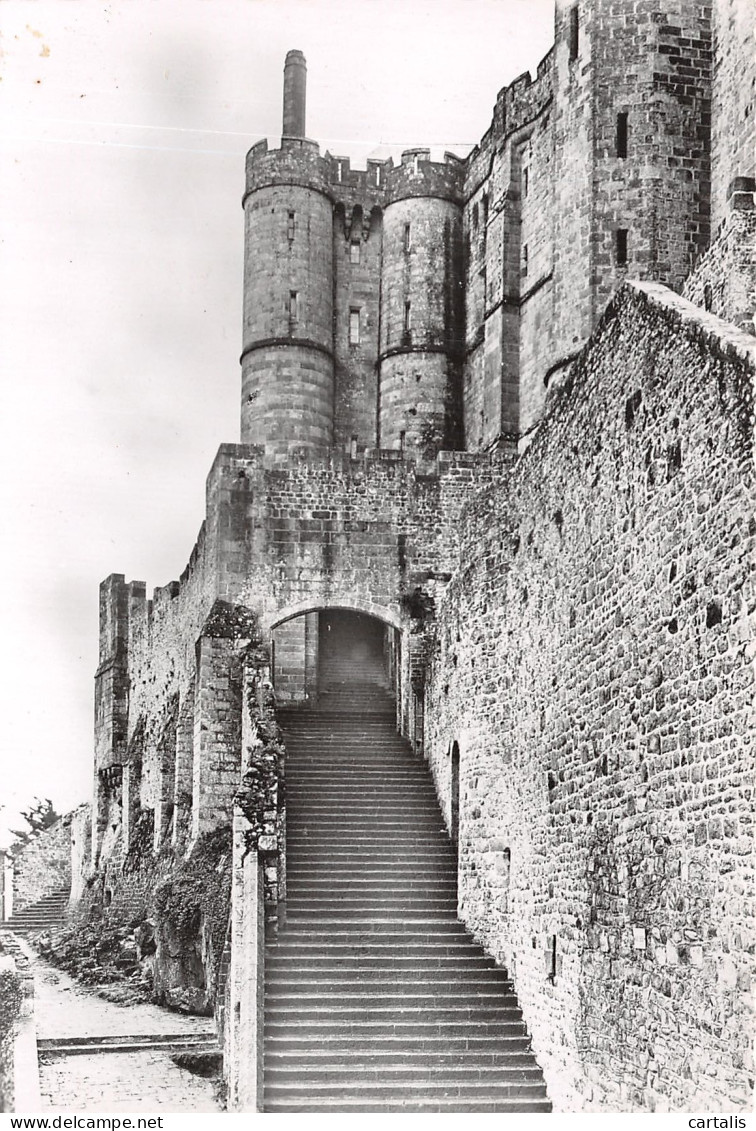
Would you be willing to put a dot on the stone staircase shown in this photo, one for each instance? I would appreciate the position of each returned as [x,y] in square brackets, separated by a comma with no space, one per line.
[377,999]
[46,914]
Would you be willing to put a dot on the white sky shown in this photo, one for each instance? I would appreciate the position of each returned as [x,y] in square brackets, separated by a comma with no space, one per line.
[123,129]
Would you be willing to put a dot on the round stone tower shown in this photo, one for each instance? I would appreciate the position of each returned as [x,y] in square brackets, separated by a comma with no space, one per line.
[287,355]
[421,315]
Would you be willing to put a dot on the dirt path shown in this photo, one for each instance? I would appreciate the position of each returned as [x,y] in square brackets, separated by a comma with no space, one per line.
[106,1081]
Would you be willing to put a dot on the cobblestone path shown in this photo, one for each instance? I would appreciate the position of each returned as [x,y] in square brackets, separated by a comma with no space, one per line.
[139,1080]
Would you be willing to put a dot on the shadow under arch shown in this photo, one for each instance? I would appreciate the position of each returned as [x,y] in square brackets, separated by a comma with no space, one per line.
[318,649]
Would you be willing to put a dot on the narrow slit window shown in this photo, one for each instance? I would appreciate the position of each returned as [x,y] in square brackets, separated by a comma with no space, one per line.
[407,237]
[339,172]
[293,308]
[354,326]
[484,203]
[292,224]
[621,237]
[525,257]
[354,251]
[525,180]
[551,958]
[377,174]
[622,134]
[574,32]
[475,217]
[407,317]
[483,288]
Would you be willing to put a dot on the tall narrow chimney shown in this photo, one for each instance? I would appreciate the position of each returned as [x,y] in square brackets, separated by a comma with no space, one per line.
[294,95]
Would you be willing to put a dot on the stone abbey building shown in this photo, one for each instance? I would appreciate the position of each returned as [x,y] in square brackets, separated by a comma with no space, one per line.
[496,468]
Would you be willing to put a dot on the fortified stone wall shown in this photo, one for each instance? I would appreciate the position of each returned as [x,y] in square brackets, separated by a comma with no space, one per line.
[501,216]
[593,662]
[360,534]
[354,534]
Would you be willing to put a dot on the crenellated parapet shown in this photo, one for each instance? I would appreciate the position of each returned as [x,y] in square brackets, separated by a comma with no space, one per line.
[418,176]
[517,106]
[298,162]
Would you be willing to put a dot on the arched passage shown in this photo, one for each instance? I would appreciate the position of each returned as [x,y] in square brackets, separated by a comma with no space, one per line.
[321,652]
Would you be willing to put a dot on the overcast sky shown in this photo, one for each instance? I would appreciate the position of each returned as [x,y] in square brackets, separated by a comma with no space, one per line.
[123,129]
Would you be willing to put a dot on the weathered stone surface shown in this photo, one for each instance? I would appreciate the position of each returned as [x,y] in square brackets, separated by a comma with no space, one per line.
[607,752]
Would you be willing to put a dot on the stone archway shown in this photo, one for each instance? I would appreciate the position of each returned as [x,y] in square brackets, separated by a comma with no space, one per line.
[315,650]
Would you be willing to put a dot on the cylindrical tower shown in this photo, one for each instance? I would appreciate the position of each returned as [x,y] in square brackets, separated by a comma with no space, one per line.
[421,292]
[287,355]
[294,95]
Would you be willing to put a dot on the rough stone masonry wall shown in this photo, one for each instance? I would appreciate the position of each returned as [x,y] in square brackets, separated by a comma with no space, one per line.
[594,664]
[356,534]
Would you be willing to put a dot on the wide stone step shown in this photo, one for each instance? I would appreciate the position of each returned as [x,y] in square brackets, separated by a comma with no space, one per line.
[377,899]
[508,1056]
[363,1106]
[474,1089]
[422,1048]
[370,1012]
[336,983]
[335,1078]
[362,1029]
[399,840]
[360,888]
[395,964]
[173,1042]
[360,1104]
[375,998]
[310,825]
[394,951]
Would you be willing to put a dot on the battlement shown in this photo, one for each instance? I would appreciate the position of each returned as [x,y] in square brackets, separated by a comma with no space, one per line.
[520,102]
[371,180]
[299,162]
[418,176]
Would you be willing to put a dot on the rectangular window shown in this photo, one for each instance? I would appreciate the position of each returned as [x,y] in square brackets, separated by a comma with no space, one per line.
[407,317]
[622,134]
[354,326]
[407,237]
[621,237]
[293,309]
[292,225]
[574,32]
[354,252]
